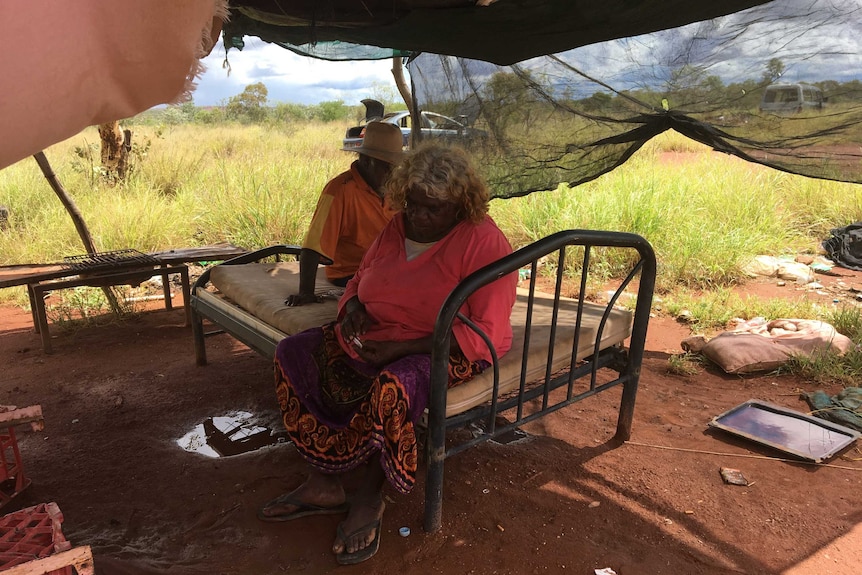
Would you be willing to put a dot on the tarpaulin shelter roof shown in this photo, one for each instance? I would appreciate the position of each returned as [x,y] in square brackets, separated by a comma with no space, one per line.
[499,31]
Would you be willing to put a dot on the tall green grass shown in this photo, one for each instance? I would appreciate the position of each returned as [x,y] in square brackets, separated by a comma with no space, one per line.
[706,214]
[190,185]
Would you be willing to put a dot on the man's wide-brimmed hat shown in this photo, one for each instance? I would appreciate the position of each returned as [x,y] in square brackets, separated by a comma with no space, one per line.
[381,141]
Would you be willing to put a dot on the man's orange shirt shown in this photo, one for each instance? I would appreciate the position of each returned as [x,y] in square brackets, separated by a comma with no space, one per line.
[348,217]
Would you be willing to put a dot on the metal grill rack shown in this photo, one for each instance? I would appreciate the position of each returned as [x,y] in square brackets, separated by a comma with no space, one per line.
[108,261]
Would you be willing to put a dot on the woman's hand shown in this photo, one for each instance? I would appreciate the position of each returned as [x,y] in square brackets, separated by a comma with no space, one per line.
[380,353]
[356,320]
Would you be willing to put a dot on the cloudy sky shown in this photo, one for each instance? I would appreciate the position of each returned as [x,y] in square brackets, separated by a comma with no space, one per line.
[289,77]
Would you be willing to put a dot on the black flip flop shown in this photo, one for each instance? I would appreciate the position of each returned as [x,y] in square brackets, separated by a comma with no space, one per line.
[303,509]
[366,552]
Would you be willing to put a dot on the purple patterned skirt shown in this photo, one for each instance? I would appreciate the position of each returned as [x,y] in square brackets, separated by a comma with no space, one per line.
[339,411]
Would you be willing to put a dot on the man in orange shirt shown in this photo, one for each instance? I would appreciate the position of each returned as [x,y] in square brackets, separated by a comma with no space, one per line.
[350,213]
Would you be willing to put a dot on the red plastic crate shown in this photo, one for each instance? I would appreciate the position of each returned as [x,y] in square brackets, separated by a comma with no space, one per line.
[32,533]
[12,479]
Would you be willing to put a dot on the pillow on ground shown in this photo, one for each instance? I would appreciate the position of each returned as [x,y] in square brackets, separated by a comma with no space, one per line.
[767,346]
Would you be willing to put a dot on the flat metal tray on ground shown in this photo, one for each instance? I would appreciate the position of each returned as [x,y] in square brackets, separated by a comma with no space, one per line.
[795,433]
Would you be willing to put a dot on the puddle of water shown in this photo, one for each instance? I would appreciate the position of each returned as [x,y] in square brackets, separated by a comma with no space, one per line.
[227,435]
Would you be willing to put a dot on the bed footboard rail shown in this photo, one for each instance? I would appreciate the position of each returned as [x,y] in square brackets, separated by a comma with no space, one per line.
[532,397]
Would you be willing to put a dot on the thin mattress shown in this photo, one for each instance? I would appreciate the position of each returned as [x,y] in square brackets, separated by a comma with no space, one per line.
[259,291]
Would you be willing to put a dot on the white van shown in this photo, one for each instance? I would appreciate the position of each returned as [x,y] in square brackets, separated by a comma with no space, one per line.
[791,98]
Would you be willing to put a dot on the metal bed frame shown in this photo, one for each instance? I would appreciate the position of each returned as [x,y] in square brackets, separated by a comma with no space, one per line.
[626,363]
[532,399]
[245,330]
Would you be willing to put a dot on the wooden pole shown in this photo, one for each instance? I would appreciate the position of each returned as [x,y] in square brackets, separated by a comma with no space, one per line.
[77,218]
[67,202]
[401,83]
[407,96]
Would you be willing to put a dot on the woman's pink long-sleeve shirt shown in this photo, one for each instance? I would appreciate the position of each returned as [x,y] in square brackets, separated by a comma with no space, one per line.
[404,297]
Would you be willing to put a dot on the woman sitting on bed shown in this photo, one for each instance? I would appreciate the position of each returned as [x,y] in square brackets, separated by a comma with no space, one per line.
[351,392]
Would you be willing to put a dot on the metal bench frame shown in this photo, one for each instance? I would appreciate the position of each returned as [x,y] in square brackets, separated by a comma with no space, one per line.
[244,331]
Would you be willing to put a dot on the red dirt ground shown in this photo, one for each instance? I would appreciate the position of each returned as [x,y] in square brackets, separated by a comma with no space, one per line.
[117,397]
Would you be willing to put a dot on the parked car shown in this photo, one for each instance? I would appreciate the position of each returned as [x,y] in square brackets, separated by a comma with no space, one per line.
[433,126]
[791,98]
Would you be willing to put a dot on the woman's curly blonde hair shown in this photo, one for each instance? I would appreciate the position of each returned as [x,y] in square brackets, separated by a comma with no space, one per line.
[444,173]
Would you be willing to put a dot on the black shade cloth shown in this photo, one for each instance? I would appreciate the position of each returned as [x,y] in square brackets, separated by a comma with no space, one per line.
[500,31]
[573,116]
[562,91]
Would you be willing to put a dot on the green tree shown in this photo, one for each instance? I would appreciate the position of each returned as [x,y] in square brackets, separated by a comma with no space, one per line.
[509,101]
[172,116]
[774,70]
[210,115]
[744,95]
[597,102]
[289,111]
[250,105]
[189,110]
[388,95]
[331,111]
[711,91]
[685,77]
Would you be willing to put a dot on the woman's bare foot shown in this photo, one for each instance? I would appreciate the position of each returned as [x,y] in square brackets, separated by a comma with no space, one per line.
[319,494]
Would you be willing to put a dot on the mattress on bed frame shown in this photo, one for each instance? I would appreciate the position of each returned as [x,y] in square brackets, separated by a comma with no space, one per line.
[257,291]
[616,330]
[261,288]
